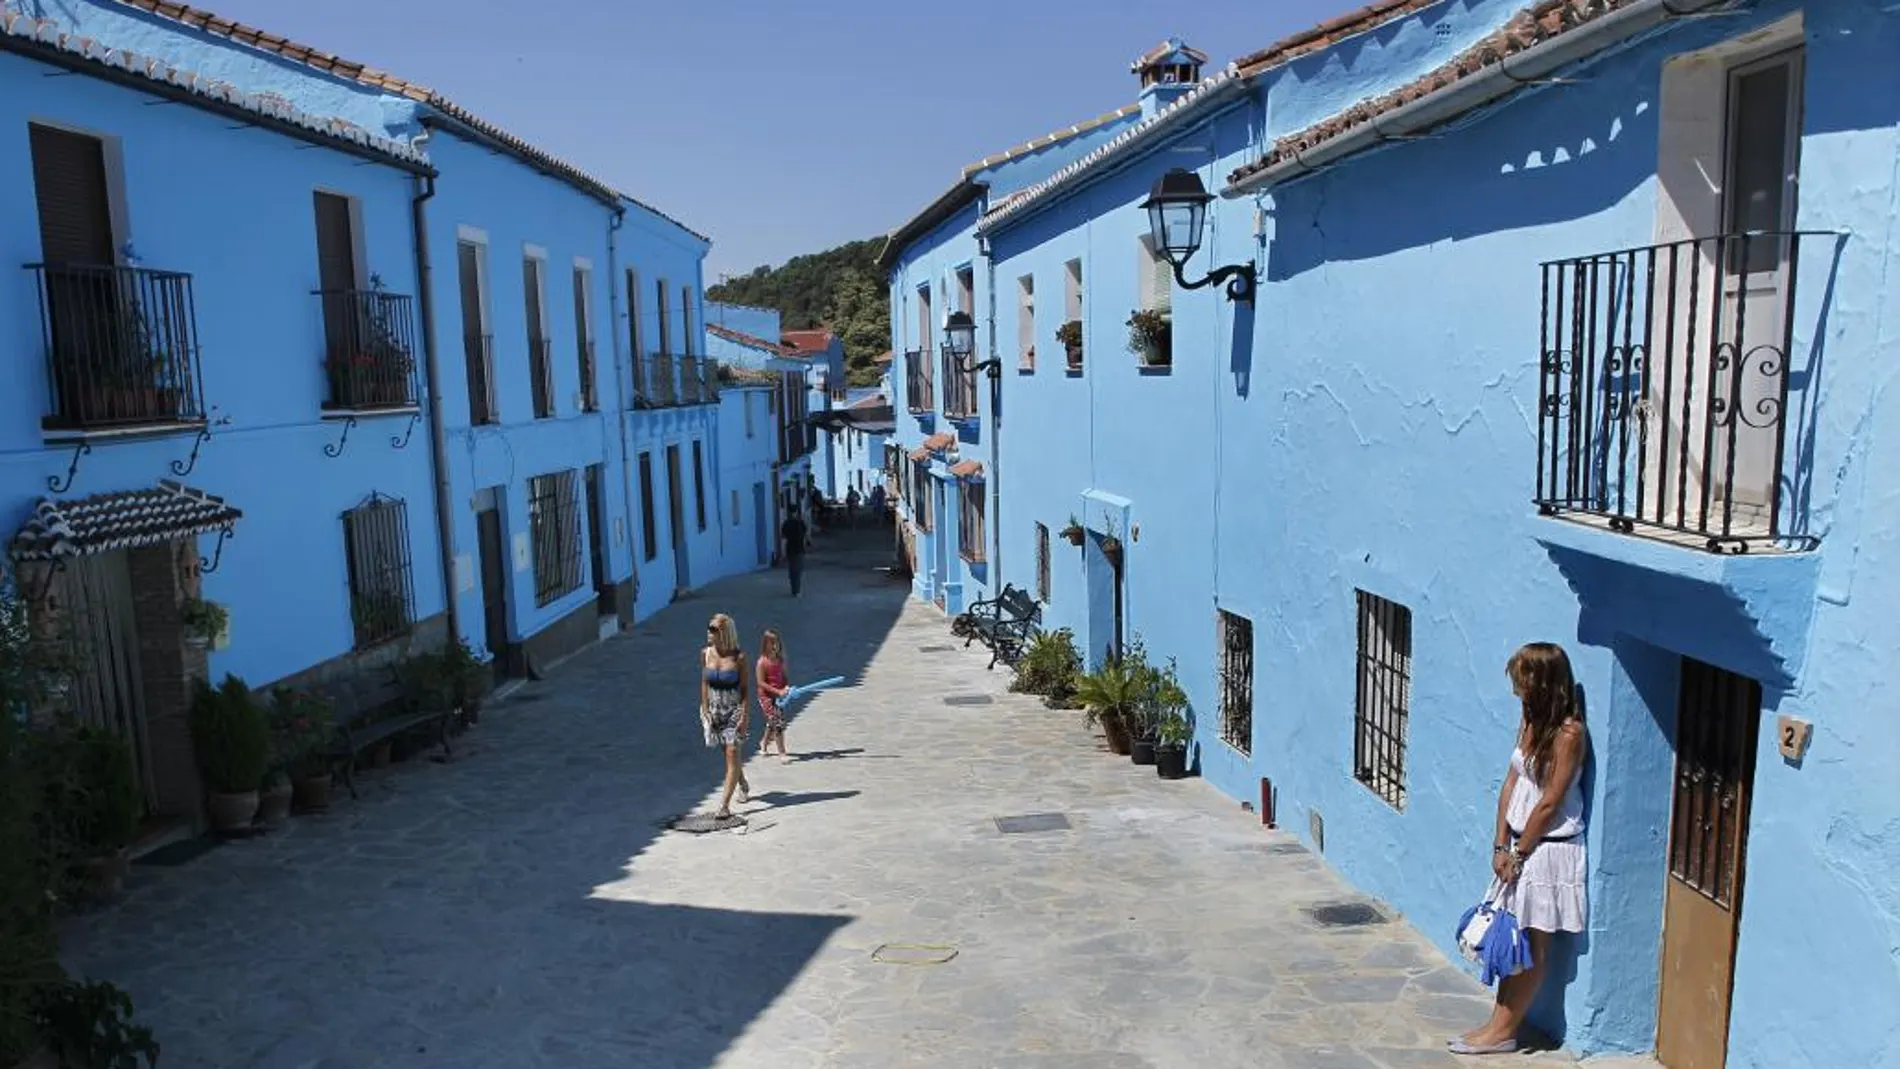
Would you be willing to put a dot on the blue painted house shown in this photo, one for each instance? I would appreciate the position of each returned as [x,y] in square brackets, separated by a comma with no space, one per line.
[944,427]
[1568,327]
[778,376]
[438,383]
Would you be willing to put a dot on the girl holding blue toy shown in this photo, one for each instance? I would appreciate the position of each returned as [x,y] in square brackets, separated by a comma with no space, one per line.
[774,685]
[1537,853]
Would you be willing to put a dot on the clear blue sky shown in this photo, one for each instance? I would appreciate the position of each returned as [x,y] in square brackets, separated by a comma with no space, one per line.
[777,127]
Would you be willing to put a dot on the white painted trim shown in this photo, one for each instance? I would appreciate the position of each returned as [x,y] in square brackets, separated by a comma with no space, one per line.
[473,235]
[583,263]
[534,252]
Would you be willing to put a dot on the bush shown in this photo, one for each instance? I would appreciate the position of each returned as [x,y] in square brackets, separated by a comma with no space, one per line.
[1049,666]
[302,727]
[231,737]
[89,789]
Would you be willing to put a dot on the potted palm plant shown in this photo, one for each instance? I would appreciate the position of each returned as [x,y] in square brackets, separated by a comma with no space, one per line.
[1108,695]
[1049,667]
[231,737]
[305,734]
[1173,732]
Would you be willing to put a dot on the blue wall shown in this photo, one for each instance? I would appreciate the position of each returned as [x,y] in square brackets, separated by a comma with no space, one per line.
[1370,425]
[241,222]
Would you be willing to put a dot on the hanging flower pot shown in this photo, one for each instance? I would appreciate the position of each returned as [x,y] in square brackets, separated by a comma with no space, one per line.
[1073,532]
[1112,549]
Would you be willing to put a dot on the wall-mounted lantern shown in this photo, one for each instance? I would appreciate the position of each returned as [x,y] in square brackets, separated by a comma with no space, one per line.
[959,340]
[1177,215]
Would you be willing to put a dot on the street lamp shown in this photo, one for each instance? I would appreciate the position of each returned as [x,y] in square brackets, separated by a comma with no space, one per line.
[959,340]
[1177,214]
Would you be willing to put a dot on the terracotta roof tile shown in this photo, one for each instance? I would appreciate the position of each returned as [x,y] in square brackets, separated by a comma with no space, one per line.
[805,342]
[940,441]
[876,400]
[1055,137]
[1530,27]
[1171,45]
[920,453]
[883,357]
[1329,33]
[967,469]
[126,519]
[750,341]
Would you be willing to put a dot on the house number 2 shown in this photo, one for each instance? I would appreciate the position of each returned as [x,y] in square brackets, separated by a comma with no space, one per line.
[1794,734]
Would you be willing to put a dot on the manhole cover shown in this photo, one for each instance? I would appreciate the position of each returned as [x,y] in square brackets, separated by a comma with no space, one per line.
[703,823]
[1346,915]
[968,699]
[913,954]
[1032,822]
[936,649]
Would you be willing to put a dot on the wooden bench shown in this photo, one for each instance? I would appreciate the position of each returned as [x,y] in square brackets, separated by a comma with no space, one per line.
[1005,623]
[376,708]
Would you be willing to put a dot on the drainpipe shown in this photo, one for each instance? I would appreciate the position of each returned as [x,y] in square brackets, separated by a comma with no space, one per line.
[621,379]
[438,435]
[995,475]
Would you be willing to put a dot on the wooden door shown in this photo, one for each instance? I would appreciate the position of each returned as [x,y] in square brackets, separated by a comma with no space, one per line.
[95,607]
[493,550]
[1763,147]
[597,541]
[1717,727]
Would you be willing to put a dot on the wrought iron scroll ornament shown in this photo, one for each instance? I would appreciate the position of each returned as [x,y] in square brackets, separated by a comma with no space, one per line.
[401,441]
[53,482]
[335,449]
[206,567]
[184,469]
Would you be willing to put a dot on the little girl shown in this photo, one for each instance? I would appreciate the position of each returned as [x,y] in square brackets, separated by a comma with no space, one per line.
[772,687]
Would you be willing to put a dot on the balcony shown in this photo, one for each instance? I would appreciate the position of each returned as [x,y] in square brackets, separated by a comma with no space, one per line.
[369,348]
[121,349]
[919,397]
[1666,391]
[658,385]
[959,394]
[699,381]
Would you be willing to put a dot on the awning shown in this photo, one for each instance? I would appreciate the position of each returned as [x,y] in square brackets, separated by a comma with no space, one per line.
[126,519]
[969,469]
[940,441]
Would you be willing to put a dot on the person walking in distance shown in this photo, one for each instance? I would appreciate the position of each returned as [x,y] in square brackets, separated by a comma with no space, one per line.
[792,533]
[773,683]
[723,679]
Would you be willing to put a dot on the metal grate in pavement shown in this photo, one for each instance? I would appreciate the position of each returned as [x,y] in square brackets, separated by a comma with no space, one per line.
[1032,822]
[936,649]
[704,823]
[1346,915]
[968,699]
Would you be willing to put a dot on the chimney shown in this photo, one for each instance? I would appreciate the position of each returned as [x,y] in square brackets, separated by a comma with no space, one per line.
[1167,72]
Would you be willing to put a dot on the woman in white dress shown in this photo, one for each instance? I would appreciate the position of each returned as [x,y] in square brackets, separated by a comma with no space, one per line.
[1538,851]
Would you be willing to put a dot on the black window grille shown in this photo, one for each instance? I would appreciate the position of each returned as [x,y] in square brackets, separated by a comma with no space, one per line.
[376,555]
[1718,720]
[1042,563]
[970,521]
[554,528]
[1384,697]
[1236,681]
[699,486]
[649,532]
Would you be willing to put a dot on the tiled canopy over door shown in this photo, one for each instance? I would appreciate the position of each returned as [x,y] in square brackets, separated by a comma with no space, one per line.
[69,181]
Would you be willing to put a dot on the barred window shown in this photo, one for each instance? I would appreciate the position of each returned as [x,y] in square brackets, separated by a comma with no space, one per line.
[376,553]
[1236,681]
[554,528]
[1384,697]
[1042,563]
[920,496]
[649,534]
[970,521]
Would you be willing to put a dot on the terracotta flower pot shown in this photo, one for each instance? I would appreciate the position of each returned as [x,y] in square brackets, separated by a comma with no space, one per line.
[232,812]
[105,876]
[273,805]
[311,794]
[1115,729]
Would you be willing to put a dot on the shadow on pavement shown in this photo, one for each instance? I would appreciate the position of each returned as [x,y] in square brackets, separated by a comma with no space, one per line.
[454,917]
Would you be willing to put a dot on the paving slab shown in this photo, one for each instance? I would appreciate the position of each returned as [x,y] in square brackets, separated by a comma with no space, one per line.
[523,906]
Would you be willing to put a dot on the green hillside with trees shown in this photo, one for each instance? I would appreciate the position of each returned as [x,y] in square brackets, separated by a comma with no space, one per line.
[840,288]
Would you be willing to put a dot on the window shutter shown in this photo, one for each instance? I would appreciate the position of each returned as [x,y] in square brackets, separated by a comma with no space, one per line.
[1160,279]
[336,252]
[69,183]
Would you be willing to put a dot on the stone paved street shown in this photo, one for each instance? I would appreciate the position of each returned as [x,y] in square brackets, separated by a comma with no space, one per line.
[522,907]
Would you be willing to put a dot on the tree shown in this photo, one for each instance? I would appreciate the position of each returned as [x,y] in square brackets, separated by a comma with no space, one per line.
[840,289]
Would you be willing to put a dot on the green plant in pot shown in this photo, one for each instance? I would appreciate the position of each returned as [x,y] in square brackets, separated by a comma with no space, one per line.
[1109,695]
[91,806]
[1073,531]
[1070,335]
[1150,337]
[89,1026]
[205,621]
[1049,667]
[306,730]
[469,679]
[1174,730]
[231,737]
[29,955]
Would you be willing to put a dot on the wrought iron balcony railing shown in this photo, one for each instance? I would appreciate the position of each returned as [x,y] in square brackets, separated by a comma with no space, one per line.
[692,391]
[121,347]
[478,352]
[369,349]
[1665,387]
[661,383]
[541,374]
[959,389]
[918,395]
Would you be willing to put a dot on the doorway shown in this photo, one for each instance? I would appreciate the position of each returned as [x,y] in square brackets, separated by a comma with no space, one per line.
[676,513]
[597,543]
[492,549]
[1762,159]
[1718,721]
[94,595]
[940,549]
[759,524]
